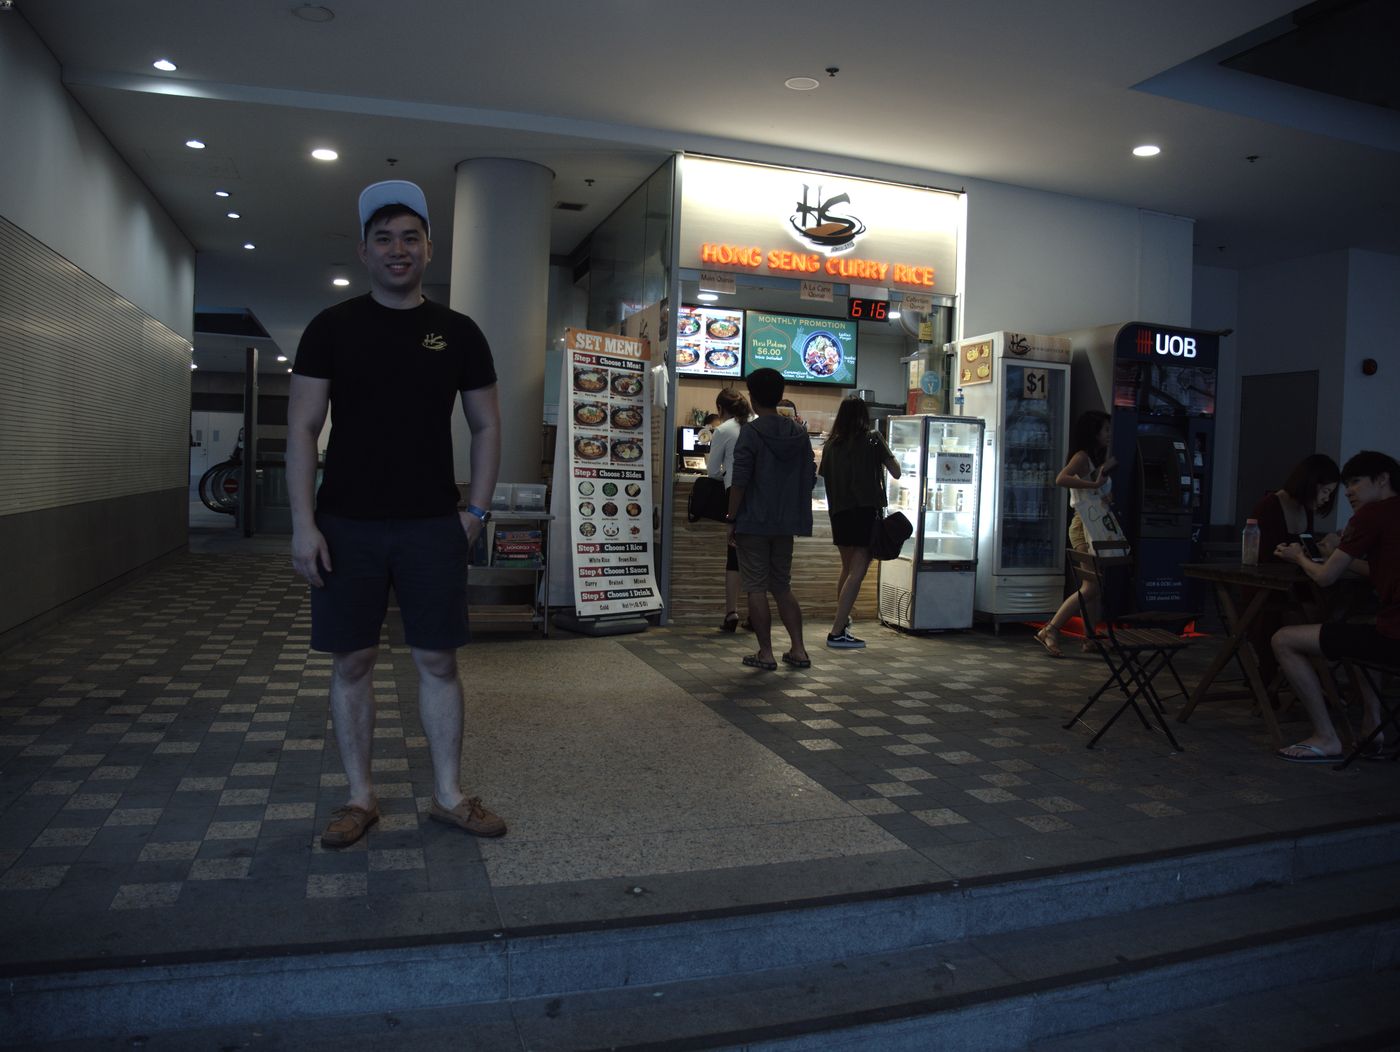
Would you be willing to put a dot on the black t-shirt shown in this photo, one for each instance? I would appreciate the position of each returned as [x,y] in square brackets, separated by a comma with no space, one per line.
[395,376]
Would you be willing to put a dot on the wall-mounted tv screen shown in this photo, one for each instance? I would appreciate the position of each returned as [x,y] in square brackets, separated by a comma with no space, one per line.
[709,341]
[804,349]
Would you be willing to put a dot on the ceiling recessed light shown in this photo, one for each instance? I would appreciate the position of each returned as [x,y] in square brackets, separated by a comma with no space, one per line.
[707,297]
[801,83]
[281,357]
[194,144]
[233,215]
[249,245]
[165,65]
[289,368]
[1146,150]
[193,366]
[324,154]
[341,282]
[220,193]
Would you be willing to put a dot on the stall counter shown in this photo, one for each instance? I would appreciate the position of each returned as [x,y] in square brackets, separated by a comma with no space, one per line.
[697,571]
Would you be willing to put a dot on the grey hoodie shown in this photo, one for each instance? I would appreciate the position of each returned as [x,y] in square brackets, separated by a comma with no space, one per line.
[773,461]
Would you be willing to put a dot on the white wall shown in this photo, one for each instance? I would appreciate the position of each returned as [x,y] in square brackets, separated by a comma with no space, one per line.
[1043,262]
[1369,403]
[62,183]
[1215,305]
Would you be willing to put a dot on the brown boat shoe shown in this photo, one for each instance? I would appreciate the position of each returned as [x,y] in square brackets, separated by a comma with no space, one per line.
[348,824]
[469,815]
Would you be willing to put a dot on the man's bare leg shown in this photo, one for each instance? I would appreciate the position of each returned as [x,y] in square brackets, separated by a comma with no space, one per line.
[761,618]
[440,709]
[352,714]
[791,614]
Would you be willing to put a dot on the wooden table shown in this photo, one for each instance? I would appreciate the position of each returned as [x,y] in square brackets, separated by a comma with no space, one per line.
[1270,580]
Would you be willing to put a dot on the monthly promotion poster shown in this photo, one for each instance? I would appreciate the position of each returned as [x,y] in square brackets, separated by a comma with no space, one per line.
[609,484]
[808,350]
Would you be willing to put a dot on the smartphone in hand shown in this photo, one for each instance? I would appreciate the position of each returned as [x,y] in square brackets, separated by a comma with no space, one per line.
[1309,544]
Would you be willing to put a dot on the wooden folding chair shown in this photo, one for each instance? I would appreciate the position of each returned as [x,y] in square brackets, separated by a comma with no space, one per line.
[1134,656]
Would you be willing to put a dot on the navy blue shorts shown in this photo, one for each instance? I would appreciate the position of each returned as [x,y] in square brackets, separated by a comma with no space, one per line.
[1360,642]
[423,560]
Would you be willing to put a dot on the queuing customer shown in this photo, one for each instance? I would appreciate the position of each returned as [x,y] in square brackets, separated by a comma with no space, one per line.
[854,461]
[1309,492]
[770,502]
[1370,544]
[733,412]
[392,364]
[1086,471]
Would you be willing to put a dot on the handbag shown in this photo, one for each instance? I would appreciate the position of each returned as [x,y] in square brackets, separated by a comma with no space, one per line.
[1101,525]
[708,500]
[889,534]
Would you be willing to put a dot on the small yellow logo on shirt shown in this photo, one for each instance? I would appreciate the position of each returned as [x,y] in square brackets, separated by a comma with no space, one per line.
[434,342]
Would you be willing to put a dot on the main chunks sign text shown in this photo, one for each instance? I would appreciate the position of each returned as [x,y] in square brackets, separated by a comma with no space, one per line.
[781,261]
[757,219]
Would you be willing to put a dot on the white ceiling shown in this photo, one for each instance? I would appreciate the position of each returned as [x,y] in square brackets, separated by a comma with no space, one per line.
[1039,94]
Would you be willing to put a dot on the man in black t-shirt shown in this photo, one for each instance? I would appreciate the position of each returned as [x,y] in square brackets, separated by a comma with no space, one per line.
[390,367]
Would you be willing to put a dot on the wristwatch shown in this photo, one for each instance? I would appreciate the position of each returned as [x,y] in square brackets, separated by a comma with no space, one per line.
[481,513]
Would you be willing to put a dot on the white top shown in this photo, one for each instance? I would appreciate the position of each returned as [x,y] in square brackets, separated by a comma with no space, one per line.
[720,462]
[1076,495]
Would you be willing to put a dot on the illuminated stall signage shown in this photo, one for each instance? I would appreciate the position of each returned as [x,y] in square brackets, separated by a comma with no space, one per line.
[782,221]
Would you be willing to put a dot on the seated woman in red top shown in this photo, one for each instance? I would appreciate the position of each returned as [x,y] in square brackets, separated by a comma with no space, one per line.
[1309,492]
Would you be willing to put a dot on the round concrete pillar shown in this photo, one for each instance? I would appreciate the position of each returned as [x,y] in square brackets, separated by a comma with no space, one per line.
[500,277]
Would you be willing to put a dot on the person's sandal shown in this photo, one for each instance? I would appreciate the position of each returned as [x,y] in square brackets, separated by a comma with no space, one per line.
[348,824]
[469,815]
[1051,647]
[731,622]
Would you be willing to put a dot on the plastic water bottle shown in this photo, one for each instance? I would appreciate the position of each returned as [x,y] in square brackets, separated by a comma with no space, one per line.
[958,402]
[1249,543]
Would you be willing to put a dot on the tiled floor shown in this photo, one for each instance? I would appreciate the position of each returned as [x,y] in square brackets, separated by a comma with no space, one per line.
[166,765]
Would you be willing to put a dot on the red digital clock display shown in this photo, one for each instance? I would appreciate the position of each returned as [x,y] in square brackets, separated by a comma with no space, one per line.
[867,310]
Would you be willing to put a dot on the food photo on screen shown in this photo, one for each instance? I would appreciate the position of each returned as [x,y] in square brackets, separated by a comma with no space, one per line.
[806,350]
[709,341]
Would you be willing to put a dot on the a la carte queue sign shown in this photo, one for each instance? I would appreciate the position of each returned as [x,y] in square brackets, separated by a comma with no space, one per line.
[609,477]
[784,221]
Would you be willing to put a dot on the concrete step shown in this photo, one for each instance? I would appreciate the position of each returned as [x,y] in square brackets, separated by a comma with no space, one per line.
[978,965]
[1352,1014]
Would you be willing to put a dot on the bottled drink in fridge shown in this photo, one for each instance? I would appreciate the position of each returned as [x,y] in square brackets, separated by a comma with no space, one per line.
[1249,543]
[959,402]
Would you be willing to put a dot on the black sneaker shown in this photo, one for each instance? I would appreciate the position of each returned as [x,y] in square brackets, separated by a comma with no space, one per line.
[845,641]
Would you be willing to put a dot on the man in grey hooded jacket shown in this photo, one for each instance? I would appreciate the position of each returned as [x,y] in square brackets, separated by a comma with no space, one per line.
[770,502]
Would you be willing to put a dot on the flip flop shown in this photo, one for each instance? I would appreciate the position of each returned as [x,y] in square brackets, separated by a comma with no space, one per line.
[754,661]
[1051,647]
[795,662]
[1318,756]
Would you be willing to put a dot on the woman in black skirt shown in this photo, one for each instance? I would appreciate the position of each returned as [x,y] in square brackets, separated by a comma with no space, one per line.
[854,461]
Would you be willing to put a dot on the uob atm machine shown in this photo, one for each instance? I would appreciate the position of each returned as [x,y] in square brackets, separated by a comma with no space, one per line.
[1158,385]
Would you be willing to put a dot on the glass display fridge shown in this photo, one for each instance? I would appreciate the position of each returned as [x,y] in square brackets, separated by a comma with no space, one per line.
[1023,393]
[930,585]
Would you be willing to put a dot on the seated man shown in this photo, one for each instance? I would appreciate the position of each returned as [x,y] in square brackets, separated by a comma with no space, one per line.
[1370,545]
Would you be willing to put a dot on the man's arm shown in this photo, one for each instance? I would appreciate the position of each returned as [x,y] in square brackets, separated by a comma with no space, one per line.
[307,403]
[483,411]
[1323,574]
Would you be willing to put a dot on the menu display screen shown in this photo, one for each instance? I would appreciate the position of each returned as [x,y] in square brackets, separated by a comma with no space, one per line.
[804,349]
[709,341]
